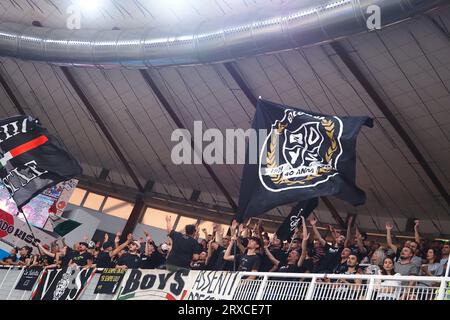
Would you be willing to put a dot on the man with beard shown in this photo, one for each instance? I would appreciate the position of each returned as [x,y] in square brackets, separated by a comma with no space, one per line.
[332,253]
[132,258]
[81,259]
[404,264]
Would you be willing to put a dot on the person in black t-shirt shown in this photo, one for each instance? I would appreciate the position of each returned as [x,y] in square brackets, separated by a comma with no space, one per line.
[104,258]
[295,262]
[152,258]
[184,247]
[251,260]
[132,258]
[81,259]
[342,265]
[332,253]
[200,263]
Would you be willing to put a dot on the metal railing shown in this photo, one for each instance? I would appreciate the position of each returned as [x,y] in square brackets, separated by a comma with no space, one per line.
[287,286]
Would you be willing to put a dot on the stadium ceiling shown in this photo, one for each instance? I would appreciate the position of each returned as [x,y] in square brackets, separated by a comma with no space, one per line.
[121,119]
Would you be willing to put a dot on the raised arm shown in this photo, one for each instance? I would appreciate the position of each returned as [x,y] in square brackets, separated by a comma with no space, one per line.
[305,239]
[227,256]
[122,246]
[389,237]
[47,252]
[169,225]
[218,233]
[416,231]
[117,239]
[349,232]
[313,222]
[360,242]
[269,254]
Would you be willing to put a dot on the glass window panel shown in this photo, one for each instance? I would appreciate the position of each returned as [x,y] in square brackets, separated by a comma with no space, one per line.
[118,208]
[157,218]
[93,201]
[183,222]
[77,196]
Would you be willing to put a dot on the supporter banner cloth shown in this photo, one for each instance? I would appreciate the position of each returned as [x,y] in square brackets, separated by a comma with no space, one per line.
[109,281]
[28,278]
[304,155]
[62,284]
[212,285]
[15,233]
[292,221]
[155,285]
[32,160]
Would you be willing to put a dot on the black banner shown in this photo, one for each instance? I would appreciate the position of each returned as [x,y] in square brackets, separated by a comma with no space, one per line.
[62,284]
[304,155]
[31,159]
[28,279]
[292,221]
[109,281]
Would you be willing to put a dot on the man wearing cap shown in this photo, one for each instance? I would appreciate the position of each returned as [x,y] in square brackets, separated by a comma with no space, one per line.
[83,256]
[132,258]
[250,261]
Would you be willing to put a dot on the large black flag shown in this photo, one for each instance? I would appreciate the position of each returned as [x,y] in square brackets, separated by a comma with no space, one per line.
[303,155]
[303,208]
[31,160]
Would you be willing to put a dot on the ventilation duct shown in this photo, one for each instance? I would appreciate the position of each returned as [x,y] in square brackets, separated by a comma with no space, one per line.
[210,42]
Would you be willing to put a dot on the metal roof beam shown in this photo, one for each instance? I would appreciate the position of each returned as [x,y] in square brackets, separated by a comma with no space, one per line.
[162,99]
[365,83]
[93,112]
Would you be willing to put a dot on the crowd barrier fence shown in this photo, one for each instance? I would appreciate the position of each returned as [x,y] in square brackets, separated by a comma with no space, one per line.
[222,285]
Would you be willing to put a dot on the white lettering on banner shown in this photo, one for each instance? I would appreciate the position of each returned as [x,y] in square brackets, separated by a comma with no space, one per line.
[213,285]
[15,176]
[62,284]
[154,285]
[9,130]
[12,232]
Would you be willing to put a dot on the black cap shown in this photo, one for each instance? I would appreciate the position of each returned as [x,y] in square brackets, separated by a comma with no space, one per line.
[108,244]
[84,244]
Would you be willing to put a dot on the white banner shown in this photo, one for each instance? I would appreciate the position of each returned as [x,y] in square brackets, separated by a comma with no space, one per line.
[155,285]
[15,233]
[212,285]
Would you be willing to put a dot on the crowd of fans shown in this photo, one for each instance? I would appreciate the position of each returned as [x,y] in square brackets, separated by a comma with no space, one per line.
[249,249]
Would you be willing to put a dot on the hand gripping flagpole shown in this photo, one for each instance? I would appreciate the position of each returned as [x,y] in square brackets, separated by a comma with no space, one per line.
[295,227]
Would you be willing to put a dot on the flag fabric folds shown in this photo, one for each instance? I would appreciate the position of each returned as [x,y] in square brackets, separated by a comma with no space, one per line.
[303,155]
[292,221]
[31,159]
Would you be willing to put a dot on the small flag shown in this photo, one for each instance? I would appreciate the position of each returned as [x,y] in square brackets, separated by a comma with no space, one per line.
[292,221]
[304,155]
[62,226]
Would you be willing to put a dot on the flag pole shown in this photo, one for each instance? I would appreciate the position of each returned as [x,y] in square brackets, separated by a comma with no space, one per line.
[296,225]
[29,227]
